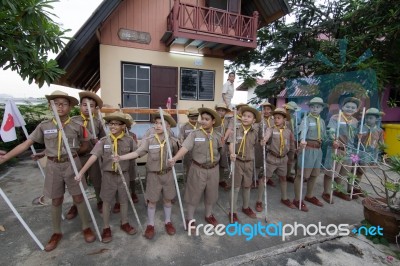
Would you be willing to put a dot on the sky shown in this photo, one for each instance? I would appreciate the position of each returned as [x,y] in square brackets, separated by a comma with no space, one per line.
[71,14]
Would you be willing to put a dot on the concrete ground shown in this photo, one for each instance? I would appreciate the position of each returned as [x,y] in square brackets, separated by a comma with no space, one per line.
[23,184]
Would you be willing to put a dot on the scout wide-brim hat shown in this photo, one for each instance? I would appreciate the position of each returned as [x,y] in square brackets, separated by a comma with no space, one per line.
[167,117]
[192,112]
[374,111]
[352,100]
[213,113]
[222,106]
[279,111]
[91,95]
[292,106]
[256,113]
[118,116]
[60,94]
[130,118]
[241,105]
[268,104]
[317,100]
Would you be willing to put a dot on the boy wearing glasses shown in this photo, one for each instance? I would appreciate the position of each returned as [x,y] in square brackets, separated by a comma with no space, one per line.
[112,180]
[59,171]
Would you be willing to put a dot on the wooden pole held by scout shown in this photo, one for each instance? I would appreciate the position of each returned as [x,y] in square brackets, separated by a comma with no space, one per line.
[336,151]
[166,136]
[121,174]
[71,159]
[232,174]
[358,151]
[303,138]
[265,171]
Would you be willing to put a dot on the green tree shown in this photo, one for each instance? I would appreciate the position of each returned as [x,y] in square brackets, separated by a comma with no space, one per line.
[27,35]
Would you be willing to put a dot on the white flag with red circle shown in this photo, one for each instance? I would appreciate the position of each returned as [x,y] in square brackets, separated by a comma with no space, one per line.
[12,118]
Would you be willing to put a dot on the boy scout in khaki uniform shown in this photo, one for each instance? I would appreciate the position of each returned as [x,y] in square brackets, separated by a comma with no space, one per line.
[192,124]
[246,139]
[314,136]
[292,108]
[160,179]
[281,148]
[59,171]
[112,180]
[223,162]
[89,98]
[205,144]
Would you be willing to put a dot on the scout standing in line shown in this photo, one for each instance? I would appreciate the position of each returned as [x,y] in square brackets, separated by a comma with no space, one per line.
[347,133]
[371,139]
[160,180]
[203,178]
[89,98]
[315,134]
[223,162]
[269,123]
[246,139]
[112,181]
[59,171]
[281,149]
[192,124]
[292,109]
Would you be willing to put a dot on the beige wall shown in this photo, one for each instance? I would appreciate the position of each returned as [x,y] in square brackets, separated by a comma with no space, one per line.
[110,72]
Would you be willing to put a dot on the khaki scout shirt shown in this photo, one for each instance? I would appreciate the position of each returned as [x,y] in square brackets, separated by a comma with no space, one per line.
[97,126]
[275,140]
[312,128]
[251,140]
[186,129]
[231,122]
[376,136]
[152,148]
[347,130]
[103,149]
[47,133]
[198,143]
[224,125]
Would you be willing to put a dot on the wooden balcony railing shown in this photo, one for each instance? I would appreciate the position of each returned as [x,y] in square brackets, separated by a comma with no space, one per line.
[211,21]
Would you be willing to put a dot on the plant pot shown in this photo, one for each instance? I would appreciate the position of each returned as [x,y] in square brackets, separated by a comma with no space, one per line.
[380,214]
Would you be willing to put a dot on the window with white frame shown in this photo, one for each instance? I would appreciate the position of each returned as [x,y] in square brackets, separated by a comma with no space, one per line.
[136,88]
[197,84]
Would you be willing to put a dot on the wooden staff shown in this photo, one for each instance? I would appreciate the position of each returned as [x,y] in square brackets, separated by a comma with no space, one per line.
[121,174]
[304,133]
[336,151]
[358,151]
[265,171]
[232,174]
[166,136]
[71,159]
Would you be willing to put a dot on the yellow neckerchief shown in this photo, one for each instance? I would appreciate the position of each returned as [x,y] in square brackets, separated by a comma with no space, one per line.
[243,142]
[268,119]
[368,143]
[209,136]
[318,125]
[193,126]
[222,124]
[282,143]
[85,120]
[161,148]
[60,136]
[115,145]
[239,117]
[348,125]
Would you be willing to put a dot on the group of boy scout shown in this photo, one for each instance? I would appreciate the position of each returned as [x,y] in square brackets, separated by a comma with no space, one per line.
[206,145]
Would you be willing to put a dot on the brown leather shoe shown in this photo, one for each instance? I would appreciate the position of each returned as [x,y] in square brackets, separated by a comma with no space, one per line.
[53,242]
[303,206]
[135,198]
[117,208]
[314,201]
[72,213]
[327,198]
[149,233]
[88,235]
[341,195]
[259,206]
[235,218]
[290,179]
[270,183]
[288,203]
[211,220]
[127,228]
[100,206]
[249,212]
[106,236]
[223,184]
[170,229]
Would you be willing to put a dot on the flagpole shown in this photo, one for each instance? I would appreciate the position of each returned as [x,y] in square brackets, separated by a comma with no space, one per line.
[303,159]
[358,151]
[20,219]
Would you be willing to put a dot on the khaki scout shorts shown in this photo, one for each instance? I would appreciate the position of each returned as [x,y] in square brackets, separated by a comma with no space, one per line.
[339,167]
[93,172]
[276,165]
[243,173]
[157,184]
[111,183]
[312,162]
[59,175]
[202,181]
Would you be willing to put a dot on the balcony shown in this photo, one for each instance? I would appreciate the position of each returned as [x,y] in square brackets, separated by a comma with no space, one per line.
[210,31]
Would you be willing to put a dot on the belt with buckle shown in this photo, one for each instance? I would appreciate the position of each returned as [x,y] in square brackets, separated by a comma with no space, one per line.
[205,165]
[276,155]
[162,172]
[242,160]
[61,160]
[313,144]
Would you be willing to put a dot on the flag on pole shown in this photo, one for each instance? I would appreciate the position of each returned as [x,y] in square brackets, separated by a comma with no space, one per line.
[12,118]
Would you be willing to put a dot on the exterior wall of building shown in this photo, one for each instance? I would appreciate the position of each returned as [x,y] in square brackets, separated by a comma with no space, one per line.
[111,58]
